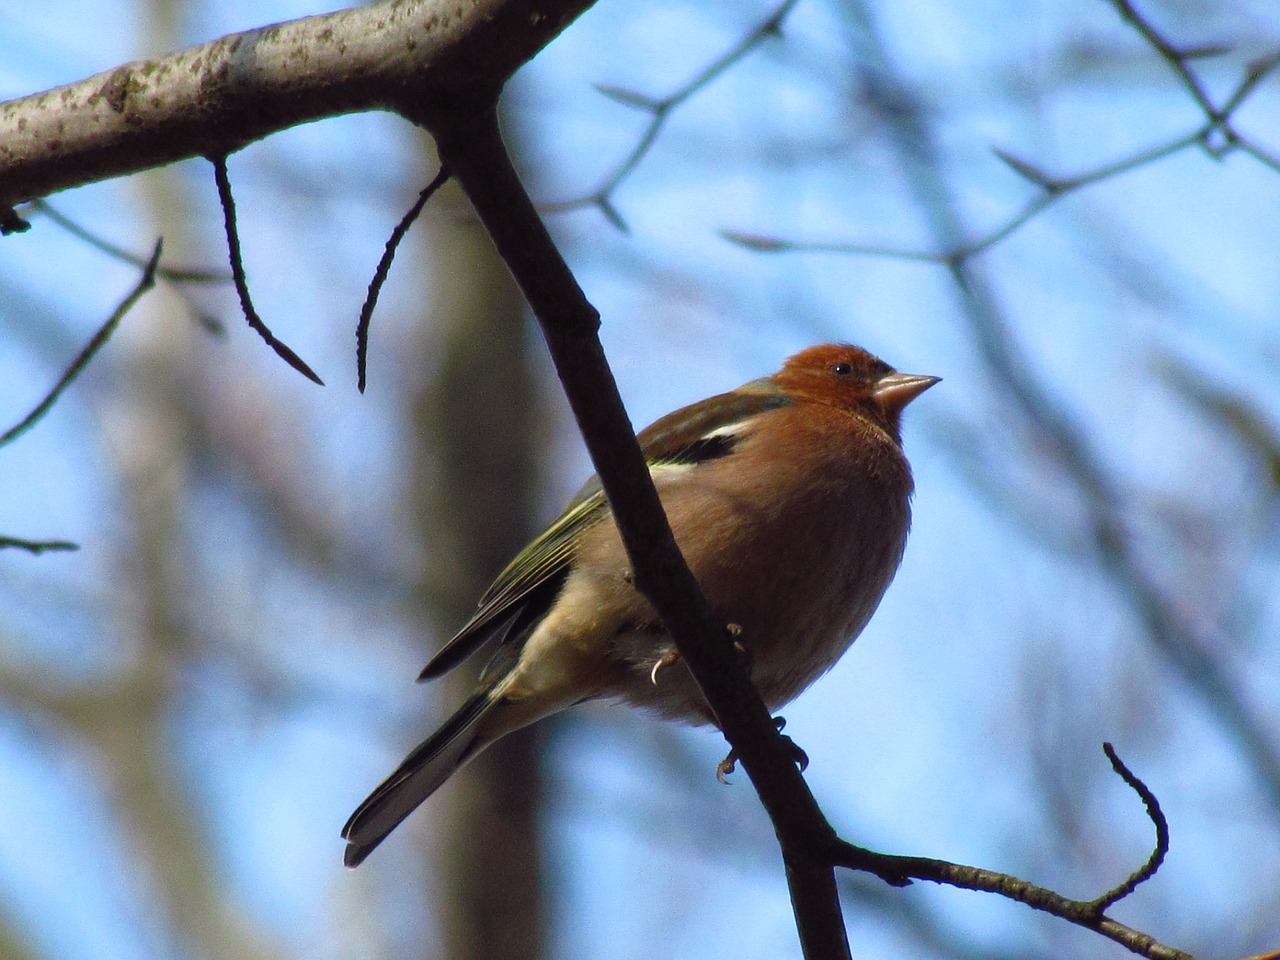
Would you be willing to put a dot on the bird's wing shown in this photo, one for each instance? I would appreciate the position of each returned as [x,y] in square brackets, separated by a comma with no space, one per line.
[710,428]
[526,589]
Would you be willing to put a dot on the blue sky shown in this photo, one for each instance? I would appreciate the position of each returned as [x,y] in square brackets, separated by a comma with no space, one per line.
[1000,659]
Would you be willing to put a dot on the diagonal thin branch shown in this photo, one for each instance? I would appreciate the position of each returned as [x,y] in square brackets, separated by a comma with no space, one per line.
[1176,58]
[1090,914]
[103,334]
[177,275]
[472,147]
[1082,913]
[1218,118]
[1052,188]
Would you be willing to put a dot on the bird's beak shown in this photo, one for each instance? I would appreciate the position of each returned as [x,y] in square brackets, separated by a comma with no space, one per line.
[896,390]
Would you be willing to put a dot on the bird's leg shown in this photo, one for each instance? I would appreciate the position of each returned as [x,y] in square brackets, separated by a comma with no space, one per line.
[671,656]
[798,756]
[746,661]
[727,766]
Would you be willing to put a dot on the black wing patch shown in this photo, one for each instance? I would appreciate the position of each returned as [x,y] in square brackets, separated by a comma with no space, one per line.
[711,447]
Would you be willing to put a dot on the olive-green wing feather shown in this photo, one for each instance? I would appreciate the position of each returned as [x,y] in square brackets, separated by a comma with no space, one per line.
[505,607]
[526,589]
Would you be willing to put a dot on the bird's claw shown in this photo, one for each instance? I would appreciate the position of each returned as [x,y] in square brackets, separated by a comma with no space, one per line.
[798,756]
[745,658]
[671,657]
[668,659]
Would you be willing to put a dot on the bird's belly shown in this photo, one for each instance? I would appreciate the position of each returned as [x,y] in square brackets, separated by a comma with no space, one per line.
[794,588]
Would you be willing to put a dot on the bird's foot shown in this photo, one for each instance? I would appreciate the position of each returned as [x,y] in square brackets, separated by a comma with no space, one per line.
[672,656]
[668,659]
[798,756]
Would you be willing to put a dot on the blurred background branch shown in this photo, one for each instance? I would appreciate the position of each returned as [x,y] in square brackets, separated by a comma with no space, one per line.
[185,724]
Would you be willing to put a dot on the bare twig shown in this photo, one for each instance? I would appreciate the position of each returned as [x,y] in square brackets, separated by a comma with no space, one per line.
[1082,913]
[660,110]
[242,284]
[1219,136]
[1177,59]
[762,243]
[384,267]
[37,546]
[177,275]
[1052,189]
[1085,913]
[1148,869]
[1217,122]
[145,283]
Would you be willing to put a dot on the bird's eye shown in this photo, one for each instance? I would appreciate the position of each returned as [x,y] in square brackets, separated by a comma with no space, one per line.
[842,369]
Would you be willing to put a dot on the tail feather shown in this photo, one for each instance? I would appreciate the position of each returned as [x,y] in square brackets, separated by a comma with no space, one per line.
[430,764]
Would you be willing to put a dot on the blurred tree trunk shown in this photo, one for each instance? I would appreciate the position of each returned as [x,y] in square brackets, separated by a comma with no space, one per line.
[13,941]
[474,477]
[130,720]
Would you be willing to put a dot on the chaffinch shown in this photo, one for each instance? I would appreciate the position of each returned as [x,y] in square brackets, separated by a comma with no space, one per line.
[789,498]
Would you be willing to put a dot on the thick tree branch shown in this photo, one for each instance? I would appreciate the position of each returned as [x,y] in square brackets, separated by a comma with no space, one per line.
[471,146]
[213,99]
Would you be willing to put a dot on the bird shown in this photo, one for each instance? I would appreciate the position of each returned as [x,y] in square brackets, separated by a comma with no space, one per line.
[789,498]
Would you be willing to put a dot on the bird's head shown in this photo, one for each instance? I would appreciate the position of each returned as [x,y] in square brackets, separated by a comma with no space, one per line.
[850,378]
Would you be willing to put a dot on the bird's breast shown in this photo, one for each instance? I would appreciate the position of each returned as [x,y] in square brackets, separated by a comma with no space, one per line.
[793,546]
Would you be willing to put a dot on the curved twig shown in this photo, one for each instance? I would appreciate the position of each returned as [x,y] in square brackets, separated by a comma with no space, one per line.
[384,267]
[242,284]
[1148,869]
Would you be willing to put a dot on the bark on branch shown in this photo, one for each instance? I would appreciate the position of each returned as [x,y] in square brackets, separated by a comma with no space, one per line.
[213,99]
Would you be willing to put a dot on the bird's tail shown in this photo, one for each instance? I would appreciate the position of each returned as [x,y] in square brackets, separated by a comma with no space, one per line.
[430,764]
